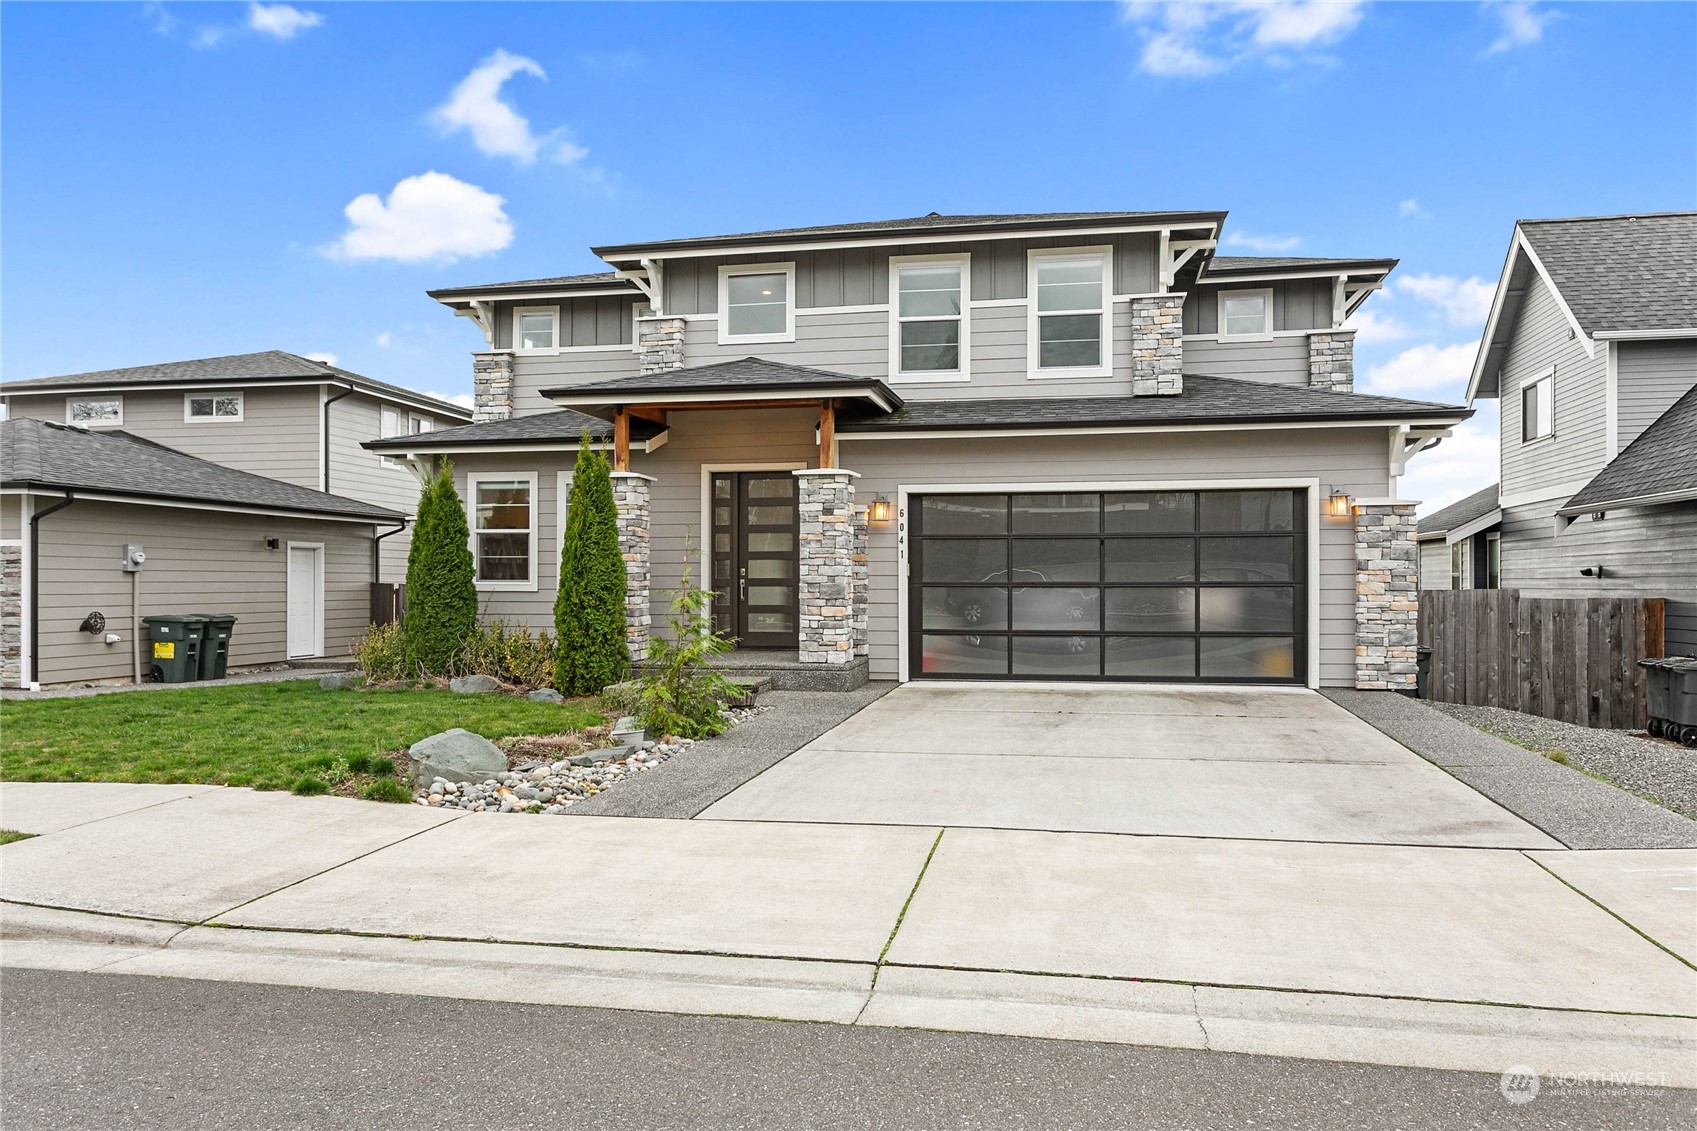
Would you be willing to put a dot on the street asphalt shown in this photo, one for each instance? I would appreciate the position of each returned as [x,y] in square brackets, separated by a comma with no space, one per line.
[111,1051]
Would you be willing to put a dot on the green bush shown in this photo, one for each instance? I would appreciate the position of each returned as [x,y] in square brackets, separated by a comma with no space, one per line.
[382,653]
[441,589]
[387,789]
[678,693]
[309,784]
[589,611]
[507,653]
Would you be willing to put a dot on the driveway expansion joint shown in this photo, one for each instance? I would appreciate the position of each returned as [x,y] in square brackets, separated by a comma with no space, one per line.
[1625,922]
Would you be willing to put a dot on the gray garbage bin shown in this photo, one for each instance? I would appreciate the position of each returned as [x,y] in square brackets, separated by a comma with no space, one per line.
[1671,691]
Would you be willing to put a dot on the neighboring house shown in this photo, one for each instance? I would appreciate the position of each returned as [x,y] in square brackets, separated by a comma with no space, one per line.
[292,564]
[1057,447]
[275,414]
[1591,347]
[1461,545]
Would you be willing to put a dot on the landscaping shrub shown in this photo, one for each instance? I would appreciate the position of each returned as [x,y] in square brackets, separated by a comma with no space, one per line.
[309,784]
[678,693]
[382,653]
[507,653]
[590,650]
[441,589]
[387,789]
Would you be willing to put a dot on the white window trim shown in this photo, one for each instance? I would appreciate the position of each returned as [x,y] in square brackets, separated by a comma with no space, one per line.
[416,418]
[562,502]
[400,415]
[118,423]
[241,407]
[1266,295]
[519,312]
[958,375]
[1548,374]
[1033,257]
[726,338]
[471,483]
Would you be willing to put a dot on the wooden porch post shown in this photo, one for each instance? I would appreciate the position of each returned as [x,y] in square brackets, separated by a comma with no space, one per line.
[827,434]
[621,439]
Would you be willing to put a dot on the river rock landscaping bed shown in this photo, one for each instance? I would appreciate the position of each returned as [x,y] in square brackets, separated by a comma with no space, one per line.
[550,773]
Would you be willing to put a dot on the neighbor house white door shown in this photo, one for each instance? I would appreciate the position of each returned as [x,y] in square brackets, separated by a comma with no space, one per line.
[306,600]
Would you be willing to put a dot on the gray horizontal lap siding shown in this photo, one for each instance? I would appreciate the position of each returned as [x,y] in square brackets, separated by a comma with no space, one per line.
[1434,564]
[197,561]
[359,474]
[535,609]
[1578,450]
[1279,361]
[1649,377]
[534,372]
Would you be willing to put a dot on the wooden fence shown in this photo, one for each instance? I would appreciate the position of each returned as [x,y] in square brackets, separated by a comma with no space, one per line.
[1574,660]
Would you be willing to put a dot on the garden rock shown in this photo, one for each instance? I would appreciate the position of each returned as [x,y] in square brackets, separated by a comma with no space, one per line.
[339,681]
[545,695]
[457,756]
[474,685]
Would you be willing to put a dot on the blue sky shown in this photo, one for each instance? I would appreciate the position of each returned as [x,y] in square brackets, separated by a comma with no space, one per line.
[186,180]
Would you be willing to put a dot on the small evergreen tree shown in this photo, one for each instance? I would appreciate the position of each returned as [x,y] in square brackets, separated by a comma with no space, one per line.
[441,588]
[590,649]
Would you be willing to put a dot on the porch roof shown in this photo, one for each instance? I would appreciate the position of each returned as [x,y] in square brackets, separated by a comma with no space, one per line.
[562,427]
[750,380]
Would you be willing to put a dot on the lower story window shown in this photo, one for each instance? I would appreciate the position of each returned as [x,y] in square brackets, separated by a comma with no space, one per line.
[503,530]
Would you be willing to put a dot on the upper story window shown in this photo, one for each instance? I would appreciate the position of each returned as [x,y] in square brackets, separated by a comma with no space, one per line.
[1538,407]
[756,303]
[1246,314]
[1070,329]
[928,337]
[95,412]
[503,529]
[390,422]
[213,406]
[536,327]
[422,424]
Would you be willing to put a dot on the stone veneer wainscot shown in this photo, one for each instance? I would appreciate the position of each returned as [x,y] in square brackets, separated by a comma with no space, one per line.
[825,500]
[1387,605]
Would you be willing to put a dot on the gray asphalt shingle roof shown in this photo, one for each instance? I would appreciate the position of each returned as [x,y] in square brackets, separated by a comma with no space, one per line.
[1622,273]
[743,373]
[236,369]
[1661,461]
[561,425]
[1459,514]
[43,454]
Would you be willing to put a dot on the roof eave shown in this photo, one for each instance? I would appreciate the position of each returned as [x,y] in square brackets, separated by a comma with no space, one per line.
[880,428]
[1683,495]
[215,504]
[587,400]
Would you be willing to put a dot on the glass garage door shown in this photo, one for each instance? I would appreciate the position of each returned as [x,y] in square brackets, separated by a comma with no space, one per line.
[1162,585]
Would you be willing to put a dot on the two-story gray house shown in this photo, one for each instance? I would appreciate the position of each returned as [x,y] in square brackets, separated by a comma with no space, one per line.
[1591,348]
[1067,446]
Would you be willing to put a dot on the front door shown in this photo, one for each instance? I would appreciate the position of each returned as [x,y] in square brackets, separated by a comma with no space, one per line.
[306,600]
[755,557]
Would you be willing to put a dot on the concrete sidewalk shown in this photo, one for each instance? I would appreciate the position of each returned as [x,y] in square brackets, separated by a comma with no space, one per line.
[1464,958]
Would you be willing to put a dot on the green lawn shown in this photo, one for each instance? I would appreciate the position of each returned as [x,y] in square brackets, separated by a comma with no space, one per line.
[267,735]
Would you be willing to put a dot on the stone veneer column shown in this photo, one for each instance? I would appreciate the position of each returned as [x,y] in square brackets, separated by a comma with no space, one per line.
[1157,346]
[492,386]
[630,496]
[659,343]
[1387,606]
[11,616]
[825,498]
[861,577]
[1331,361]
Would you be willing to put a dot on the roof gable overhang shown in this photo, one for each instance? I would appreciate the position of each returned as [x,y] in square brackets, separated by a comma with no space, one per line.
[1520,267]
[604,404]
[167,385]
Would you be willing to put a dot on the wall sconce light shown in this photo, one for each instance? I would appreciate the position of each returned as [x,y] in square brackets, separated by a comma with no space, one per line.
[879,510]
[1338,504]
[273,544]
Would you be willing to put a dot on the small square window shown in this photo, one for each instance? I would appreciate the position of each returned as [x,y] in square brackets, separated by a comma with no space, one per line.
[213,406]
[536,327]
[95,412]
[1246,314]
[756,303]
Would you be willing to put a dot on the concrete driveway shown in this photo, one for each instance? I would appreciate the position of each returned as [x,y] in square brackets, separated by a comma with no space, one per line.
[1245,763]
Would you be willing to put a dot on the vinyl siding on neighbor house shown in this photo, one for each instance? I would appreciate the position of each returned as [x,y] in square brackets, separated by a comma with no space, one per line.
[359,474]
[1434,564]
[197,561]
[1649,377]
[1562,463]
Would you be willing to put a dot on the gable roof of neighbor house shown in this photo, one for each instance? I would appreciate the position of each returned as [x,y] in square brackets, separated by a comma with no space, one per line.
[1459,514]
[266,367]
[744,378]
[1660,466]
[561,426]
[44,455]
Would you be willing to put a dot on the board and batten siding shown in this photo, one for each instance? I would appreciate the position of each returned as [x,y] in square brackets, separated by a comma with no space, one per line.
[598,320]
[277,435]
[1298,304]
[1562,463]
[1649,378]
[197,561]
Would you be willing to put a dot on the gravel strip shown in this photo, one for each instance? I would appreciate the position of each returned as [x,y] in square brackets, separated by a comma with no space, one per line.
[1665,772]
[1577,810]
[693,779]
[83,691]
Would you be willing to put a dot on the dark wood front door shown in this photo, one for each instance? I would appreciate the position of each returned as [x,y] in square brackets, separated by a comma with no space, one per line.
[755,557]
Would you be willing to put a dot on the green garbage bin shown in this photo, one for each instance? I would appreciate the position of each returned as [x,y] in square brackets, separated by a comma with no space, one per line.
[215,644]
[175,640]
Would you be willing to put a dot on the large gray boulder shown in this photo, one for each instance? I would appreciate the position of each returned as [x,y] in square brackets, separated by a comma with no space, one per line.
[456,755]
[474,685]
[546,695]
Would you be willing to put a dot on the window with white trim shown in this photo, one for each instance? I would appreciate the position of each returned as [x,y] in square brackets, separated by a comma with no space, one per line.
[95,412]
[757,303]
[421,424]
[391,422]
[928,335]
[1538,408]
[1069,324]
[536,327]
[503,529]
[1246,314]
[213,406]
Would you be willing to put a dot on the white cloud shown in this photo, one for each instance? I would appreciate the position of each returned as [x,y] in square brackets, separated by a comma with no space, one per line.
[1465,302]
[384,340]
[280,21]
[1423,369]
[1262,243]
[496,128]
[430,217]
[1523,23]
[323,357]
[1460,465]
[464,400]
[1372,327]
[1203,37]
[1409,207]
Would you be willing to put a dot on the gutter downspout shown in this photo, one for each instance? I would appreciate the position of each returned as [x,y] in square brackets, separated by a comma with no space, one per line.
[377,550]
[347,391]
[35,585]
